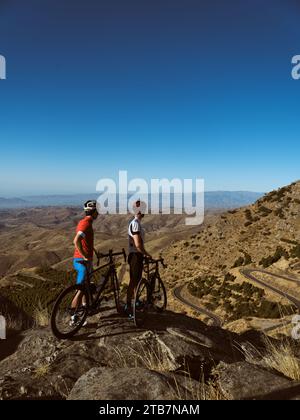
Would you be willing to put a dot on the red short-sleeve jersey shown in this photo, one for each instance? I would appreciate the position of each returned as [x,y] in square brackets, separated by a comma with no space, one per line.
[85,228]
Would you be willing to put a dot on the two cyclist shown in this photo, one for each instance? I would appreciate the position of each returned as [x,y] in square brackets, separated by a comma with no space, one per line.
[84,250]
[75,303]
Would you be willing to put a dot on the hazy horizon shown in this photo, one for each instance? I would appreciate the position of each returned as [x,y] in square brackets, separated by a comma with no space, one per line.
[28,196]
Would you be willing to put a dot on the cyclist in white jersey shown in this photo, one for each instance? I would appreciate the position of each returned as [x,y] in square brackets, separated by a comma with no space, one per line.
[136,251]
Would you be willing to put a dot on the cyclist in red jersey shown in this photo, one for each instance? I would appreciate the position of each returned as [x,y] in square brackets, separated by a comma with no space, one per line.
[84,247]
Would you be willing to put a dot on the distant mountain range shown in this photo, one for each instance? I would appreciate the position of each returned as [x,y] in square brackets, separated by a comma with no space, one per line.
[12,202]
[213,200]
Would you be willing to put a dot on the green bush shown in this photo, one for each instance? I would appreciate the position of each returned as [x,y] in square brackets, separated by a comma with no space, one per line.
[248,215]
[279,253]
[238,263]
[229,277]
[295,252]
[247,259]
[264,211]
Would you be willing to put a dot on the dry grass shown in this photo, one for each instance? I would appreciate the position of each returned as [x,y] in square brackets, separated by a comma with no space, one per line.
[189,389]
[16,323]
[278,355]
[182,385]
[41,316]
[281,357]
[42,371]
[150,357]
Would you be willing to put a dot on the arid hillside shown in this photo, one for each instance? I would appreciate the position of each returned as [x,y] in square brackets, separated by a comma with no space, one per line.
[265,234]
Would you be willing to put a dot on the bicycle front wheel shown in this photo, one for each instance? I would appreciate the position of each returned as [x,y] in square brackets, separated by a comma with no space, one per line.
[70,311]
[158,295]
[140,303]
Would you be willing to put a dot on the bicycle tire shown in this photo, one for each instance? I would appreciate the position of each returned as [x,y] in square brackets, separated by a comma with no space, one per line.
[140,302]
[59,305]
[158,295]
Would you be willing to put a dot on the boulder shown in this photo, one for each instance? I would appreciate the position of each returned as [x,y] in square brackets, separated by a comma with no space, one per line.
[131,384]
[242,380]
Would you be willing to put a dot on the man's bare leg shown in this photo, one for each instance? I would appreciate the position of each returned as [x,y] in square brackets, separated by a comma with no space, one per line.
[78,299]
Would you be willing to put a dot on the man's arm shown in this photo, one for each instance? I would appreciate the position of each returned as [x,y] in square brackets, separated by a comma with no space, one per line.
[78,245]
[139,244]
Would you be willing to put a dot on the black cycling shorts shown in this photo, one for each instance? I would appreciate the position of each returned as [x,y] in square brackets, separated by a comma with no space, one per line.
[135,261]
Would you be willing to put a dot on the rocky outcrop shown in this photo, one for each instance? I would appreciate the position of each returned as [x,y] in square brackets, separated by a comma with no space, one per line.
[242,380]
[144,384]
[110,356]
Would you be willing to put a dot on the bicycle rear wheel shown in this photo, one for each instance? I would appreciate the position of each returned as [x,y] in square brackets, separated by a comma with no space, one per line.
[140,303]
[158,295]
[67,318]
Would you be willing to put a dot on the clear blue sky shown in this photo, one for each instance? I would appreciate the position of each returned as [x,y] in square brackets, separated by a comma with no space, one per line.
[162,88]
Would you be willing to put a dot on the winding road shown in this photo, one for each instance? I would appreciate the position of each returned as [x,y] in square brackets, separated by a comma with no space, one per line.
[249,274]
[177,294]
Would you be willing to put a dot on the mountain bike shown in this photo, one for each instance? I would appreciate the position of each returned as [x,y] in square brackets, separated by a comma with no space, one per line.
[68,317]
[150,295]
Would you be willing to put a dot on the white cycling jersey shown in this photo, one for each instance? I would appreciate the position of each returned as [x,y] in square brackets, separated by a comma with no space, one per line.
[134,228]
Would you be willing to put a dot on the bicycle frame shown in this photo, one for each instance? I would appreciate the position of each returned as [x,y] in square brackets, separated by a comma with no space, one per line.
[112,274]
[148,270]
[152,270]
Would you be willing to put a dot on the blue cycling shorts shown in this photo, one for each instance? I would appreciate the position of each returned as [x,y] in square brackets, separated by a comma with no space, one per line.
[81,269]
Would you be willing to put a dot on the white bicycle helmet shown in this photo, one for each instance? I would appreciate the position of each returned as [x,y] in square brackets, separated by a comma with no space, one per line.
[90,205]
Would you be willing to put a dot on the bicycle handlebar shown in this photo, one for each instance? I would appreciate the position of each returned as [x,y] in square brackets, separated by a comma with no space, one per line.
[156,261]
[111,254]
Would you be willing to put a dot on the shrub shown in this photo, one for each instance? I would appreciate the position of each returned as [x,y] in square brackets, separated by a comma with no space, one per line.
[248,215]
[247,259]
[264,211]
[229,277]
[238,263]
[295,252]
[279,253]
[279,213]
